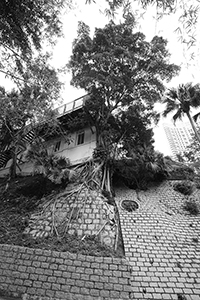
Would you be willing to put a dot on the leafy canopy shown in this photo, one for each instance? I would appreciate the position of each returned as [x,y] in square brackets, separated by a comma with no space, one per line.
[24,28]
[24,24]
[29,105]
[119,69]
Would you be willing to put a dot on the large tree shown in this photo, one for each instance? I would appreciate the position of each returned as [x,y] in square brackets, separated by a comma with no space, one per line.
[24,23]
[120,70]
[180,100]
[24,27]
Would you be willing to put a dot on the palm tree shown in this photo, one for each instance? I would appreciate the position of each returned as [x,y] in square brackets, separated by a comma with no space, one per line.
[181,100]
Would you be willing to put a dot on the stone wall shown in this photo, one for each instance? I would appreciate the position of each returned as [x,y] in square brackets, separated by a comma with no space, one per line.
[62,275]
[84,212]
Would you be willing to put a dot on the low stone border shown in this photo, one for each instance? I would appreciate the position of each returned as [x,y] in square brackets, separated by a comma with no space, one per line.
[63,275]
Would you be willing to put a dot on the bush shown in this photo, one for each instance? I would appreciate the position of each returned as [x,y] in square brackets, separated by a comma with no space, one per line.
[36,186]
[192,207]
[138,172]
[184,188]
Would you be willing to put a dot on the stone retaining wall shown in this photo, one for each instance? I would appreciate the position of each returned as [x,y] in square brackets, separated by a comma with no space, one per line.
[84,213]
[63,275]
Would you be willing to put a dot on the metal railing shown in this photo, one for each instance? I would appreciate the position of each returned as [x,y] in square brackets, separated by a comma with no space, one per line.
[71,106]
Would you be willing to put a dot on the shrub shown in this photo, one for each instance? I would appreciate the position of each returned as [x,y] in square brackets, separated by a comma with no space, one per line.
[192,207]
[137,172]
[184,188]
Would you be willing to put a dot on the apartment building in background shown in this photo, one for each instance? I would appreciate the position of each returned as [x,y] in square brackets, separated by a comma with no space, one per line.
[179,136]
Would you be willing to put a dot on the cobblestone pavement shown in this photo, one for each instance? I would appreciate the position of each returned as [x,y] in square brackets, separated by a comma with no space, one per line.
[162,244]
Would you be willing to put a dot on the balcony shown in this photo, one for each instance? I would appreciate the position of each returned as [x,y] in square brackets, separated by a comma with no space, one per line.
[71,106]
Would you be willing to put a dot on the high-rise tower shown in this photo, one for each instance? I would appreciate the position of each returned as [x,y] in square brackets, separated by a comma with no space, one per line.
[179,136]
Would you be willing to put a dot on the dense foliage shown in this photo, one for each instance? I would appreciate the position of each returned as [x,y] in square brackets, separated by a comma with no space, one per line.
[24,27]
[21,111]
[192,152]
[186,11]
[141,169]
[119,69]
[25,23]
[123,74]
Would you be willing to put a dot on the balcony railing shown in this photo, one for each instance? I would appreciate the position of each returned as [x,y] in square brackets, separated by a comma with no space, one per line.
[71,106]
[62,110]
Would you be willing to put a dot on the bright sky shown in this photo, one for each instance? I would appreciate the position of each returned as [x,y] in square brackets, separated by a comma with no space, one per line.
[92,16]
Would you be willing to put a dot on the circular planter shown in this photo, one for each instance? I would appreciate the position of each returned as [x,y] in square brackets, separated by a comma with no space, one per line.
[129,205]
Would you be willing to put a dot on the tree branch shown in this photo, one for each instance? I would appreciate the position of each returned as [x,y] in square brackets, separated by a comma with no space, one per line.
[13,76]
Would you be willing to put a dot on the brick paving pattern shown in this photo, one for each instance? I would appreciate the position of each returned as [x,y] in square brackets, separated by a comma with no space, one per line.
[162,244]
[63,275]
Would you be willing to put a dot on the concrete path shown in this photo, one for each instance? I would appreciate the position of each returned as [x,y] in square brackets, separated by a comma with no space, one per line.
[162,244]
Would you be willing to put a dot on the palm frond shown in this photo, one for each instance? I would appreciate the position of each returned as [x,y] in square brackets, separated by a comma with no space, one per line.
[190,93]
[195,117]
[172,93]
[171,105]
[178,115]
[195,98]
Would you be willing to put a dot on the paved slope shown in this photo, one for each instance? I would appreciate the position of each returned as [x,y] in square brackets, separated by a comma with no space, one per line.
[162,244]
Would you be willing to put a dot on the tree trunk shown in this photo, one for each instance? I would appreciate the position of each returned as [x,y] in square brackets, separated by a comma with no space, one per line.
[13,166]
[12,170]
[193,126]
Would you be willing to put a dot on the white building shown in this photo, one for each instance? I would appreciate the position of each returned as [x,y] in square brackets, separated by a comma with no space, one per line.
[77,146]
[179,136]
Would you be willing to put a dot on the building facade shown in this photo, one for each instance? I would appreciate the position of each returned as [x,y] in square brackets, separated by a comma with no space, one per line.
[77,146]
[179,137]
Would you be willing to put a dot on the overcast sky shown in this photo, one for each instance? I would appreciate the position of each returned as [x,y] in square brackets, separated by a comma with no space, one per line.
[92,16]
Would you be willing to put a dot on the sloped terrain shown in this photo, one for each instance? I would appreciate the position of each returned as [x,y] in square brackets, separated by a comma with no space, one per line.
[21,199]
[162,241]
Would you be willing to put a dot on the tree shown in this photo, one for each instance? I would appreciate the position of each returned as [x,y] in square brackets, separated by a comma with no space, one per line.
[192,151]
[186,14]
[119,70]
[135,128]
[41,82]
[52,165]
[180,100]
[24,24]
[147,165]
[30,105]
[25,27]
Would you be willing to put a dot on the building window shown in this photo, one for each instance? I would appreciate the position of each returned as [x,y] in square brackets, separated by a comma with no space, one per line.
[80,138]
[57,146]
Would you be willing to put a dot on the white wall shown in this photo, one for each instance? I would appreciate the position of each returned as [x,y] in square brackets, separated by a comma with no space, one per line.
[75,153]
